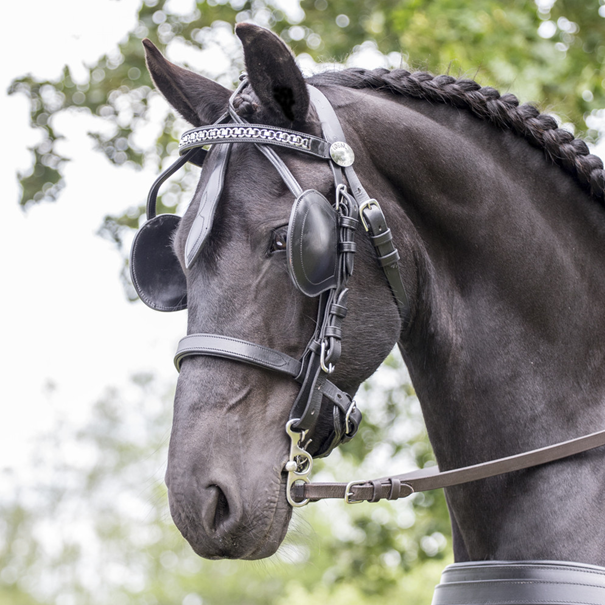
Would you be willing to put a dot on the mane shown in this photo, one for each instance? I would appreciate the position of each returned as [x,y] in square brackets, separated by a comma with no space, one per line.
[541,130]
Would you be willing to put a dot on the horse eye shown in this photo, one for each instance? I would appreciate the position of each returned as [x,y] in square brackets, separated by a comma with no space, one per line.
[278,243]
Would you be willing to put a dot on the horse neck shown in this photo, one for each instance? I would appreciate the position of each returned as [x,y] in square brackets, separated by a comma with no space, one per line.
[506,335]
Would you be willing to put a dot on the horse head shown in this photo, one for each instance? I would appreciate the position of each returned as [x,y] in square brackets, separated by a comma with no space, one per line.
[225,477]
[488,297]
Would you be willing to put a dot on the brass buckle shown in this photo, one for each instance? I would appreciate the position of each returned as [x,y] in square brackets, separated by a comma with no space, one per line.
[367,204]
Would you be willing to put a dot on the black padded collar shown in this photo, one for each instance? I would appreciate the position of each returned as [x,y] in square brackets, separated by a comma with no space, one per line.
[506,582]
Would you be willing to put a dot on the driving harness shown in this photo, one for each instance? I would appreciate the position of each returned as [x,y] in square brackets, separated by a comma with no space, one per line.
[320,249]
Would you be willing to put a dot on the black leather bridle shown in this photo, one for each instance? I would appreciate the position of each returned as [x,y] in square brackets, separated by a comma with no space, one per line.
[320,247]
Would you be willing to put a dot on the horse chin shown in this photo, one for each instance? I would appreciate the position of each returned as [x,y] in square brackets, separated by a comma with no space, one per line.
[275,534]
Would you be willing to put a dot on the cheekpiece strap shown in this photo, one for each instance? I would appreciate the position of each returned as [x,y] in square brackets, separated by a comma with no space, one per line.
[375,224]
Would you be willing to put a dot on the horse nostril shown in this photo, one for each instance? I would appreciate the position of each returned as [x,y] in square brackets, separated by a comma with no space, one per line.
[221,507]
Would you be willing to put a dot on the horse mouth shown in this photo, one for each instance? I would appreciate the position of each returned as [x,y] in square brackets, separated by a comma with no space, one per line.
[274,536]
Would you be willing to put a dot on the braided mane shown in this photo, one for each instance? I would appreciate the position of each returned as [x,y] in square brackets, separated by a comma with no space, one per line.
[486,103]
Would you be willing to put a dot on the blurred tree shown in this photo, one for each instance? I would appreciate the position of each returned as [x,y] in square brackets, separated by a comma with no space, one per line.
[92,526]
[548,51]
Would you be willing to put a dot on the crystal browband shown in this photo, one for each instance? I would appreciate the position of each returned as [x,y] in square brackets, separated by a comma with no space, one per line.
[208,135]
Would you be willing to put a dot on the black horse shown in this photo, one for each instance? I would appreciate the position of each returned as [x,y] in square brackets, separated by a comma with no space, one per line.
[498,218]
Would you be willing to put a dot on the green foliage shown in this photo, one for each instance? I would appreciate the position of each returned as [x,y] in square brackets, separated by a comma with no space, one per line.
[92,526]
[550,51]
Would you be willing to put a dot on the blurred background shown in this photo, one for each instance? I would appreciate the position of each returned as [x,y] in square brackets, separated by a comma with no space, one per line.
[87,375]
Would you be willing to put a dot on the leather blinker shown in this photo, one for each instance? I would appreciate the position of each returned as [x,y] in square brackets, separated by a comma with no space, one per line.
[156,273]
[216,165]
[312,244]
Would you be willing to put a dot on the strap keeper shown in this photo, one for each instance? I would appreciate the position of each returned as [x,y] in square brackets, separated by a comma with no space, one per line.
[382,238]
[333,332]
[395,489]
[346,247]
[389,259]
[338,310]
[376,489]
[315,346]
[348,222]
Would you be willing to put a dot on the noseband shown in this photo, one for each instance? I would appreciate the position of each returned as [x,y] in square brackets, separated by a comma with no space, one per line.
[320,251]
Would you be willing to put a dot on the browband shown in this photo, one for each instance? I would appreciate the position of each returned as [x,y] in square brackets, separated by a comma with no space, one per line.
[254,133]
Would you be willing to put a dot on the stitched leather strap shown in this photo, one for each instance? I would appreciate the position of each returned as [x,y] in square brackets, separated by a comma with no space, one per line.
[431,478]
[226,347]
[376,225]
[239,350]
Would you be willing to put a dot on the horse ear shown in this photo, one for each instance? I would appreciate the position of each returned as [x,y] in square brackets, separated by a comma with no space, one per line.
[273,73]
[199,100]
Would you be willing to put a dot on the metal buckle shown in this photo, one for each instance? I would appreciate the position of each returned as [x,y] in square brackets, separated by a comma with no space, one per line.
[340,192]
[365,205]
[299,463]
[349,493]
[351,409]
[322,359]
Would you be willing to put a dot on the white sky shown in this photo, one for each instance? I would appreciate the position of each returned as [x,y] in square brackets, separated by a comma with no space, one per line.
[64,317]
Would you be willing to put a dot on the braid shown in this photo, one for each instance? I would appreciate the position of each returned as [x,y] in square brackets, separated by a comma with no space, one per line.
[525,120]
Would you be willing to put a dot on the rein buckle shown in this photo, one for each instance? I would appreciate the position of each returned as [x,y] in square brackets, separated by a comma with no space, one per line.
[349,492]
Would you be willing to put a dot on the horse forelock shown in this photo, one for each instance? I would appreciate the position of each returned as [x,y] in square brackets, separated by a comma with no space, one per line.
[504,111]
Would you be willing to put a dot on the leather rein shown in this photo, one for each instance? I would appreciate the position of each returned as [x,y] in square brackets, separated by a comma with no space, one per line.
[323,349]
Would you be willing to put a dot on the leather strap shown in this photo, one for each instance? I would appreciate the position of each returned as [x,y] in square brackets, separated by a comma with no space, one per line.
[373,218]
[333,132]
[308,402]
[375,224]
[226,347]
[431,478]
[279,165]
[199,154]
[236,349]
